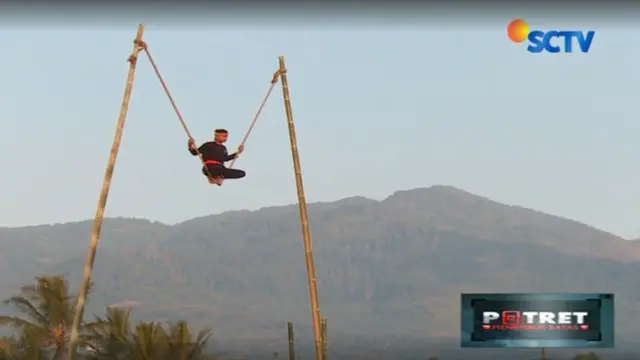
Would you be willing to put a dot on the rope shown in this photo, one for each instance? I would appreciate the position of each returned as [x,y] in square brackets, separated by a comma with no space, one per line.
[144,47]
[274,81]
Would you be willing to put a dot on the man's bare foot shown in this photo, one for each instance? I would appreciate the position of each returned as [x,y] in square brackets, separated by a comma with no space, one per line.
[215,181]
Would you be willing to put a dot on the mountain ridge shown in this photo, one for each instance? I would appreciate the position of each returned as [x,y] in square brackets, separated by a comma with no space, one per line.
[441,206]
[352,200]
[395,265]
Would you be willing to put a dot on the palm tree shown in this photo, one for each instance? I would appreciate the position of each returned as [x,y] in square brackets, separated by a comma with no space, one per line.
[47,313]
[148,342]
[113,337]
[109,337]
[182,346]
[42,331]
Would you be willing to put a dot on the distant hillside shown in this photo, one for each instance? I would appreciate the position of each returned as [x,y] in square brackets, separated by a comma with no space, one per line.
[393,266]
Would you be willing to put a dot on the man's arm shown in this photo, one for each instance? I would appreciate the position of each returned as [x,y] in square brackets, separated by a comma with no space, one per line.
[230,157]
[192,148]
[235,154]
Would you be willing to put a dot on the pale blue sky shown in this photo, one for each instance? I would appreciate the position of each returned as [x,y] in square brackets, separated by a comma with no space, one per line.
[378,109]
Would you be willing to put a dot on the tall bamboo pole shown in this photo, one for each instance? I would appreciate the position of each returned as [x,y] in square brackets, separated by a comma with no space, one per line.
[325,338]
[104,194]
[292,346]
[304,216]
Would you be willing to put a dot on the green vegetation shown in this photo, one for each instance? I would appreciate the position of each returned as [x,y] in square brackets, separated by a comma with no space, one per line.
[42,331]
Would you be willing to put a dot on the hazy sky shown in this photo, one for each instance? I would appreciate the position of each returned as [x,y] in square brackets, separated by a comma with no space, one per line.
[378,108]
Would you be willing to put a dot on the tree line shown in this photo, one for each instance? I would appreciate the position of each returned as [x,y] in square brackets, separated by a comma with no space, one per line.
[42,331]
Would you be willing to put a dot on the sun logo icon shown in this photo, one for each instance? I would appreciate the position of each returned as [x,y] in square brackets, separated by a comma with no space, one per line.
[518,30]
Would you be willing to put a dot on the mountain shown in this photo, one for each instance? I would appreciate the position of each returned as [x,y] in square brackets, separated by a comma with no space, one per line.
[395,266]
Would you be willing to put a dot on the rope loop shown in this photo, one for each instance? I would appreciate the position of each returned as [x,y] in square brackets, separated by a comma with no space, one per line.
[277,75]
[141,45]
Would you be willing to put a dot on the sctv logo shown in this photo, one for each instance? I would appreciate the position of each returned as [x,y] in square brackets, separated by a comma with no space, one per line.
[552,41]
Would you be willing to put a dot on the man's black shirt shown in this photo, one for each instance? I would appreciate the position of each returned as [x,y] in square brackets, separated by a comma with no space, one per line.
[212,151]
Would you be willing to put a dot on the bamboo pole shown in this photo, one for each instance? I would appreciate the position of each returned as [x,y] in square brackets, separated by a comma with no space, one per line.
[104,194]
[292,341]
[304,216]
[325,339]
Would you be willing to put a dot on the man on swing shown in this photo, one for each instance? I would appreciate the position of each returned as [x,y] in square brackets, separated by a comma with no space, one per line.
[214,155]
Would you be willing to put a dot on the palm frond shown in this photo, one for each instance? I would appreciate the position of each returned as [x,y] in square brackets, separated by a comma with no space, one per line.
[26,306]
[14,322]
